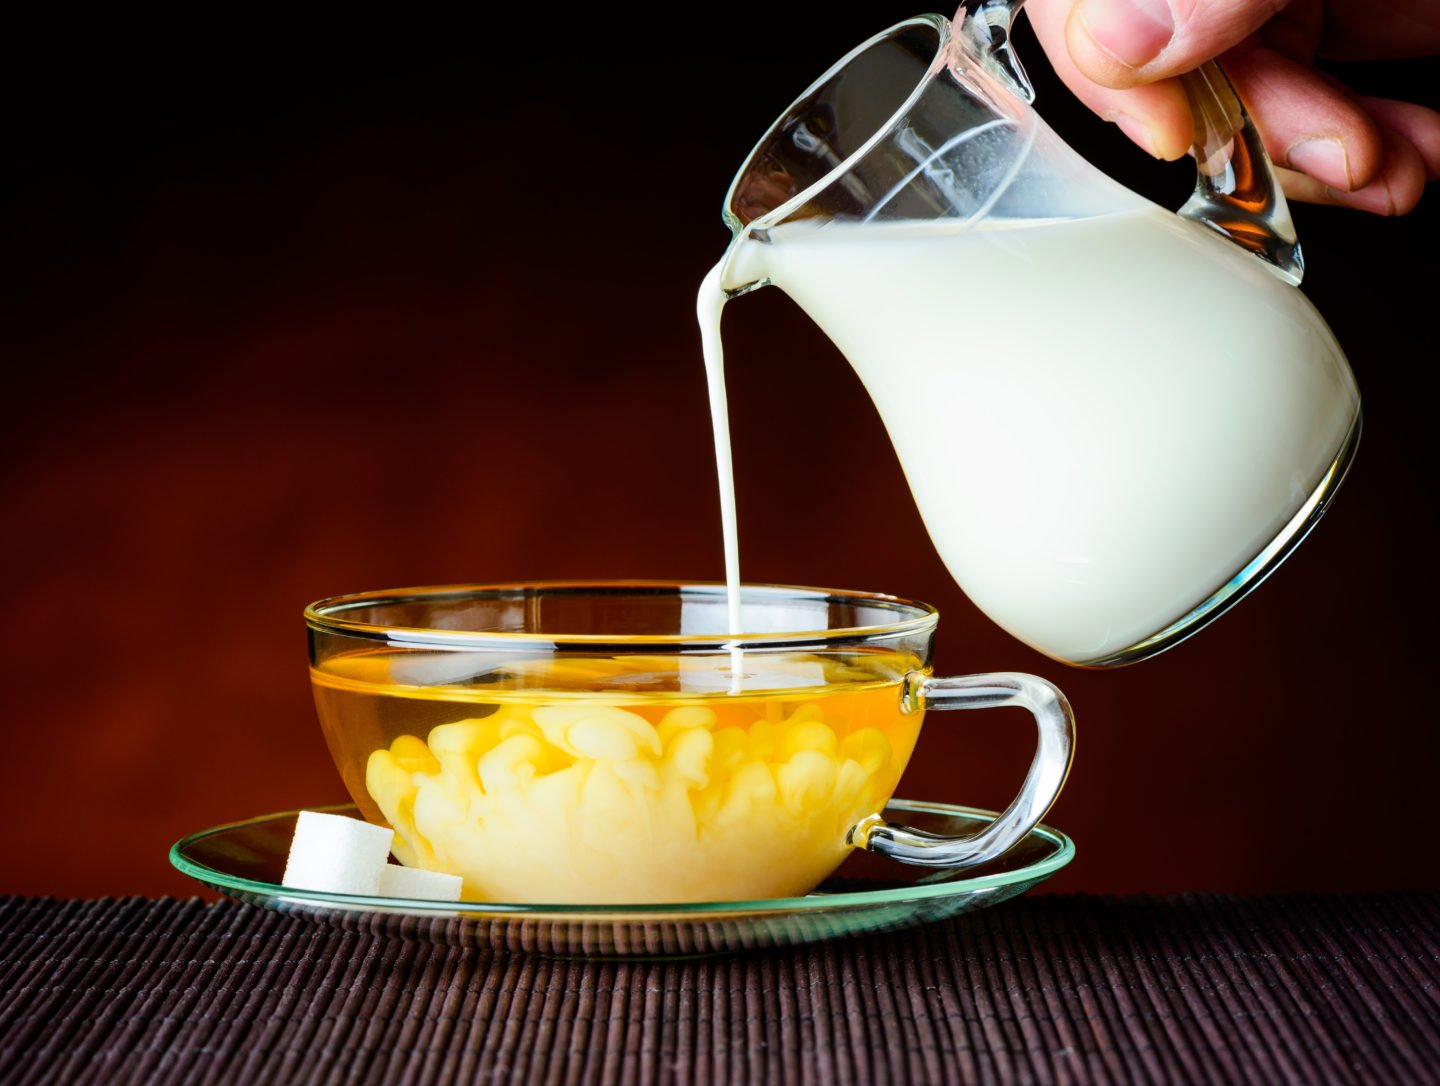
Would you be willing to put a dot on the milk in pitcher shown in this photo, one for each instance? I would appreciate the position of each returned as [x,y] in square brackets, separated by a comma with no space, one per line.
[1104,420]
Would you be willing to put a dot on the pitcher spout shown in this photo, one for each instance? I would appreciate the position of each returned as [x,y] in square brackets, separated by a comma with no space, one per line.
[742,269]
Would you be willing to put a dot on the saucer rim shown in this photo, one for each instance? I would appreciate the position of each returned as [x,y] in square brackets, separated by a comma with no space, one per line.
[233,884]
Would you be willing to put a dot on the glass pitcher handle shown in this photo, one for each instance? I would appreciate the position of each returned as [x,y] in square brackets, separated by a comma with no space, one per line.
[1055,726]
[1236,191]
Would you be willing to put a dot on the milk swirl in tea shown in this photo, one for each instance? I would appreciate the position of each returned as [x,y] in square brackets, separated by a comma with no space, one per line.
[588,779]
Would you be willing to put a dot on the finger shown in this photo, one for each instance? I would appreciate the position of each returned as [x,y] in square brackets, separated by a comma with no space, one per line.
[1417,125]
[1310,124]
[1122,43]
[1397,187]
[1156,117]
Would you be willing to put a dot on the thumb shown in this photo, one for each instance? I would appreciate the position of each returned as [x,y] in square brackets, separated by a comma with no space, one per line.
[1121,43]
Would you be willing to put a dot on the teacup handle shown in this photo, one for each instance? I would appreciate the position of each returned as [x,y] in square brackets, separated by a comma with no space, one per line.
[1055,728]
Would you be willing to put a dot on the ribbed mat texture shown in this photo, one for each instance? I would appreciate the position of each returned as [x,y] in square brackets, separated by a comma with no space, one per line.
[1051,989]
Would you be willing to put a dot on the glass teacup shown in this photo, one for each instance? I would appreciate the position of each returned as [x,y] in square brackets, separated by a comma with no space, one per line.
[609,743]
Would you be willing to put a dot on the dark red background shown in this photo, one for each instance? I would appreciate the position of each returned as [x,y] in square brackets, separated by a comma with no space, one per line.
[291,312]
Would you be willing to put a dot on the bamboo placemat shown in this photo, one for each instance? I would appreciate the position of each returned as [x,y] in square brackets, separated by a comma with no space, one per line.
[1049,989]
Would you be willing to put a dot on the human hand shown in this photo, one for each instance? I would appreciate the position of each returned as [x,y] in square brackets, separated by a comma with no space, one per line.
[1330,145]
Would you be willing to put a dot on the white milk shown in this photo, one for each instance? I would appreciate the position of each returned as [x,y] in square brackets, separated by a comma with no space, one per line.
[1102,420]
[708,306]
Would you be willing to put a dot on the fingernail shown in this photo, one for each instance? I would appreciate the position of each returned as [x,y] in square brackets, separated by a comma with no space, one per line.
[1136,130]
[1132,31]
[1374,198]
[1323,159]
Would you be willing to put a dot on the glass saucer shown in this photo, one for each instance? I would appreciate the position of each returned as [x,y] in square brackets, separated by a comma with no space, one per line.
[245,861]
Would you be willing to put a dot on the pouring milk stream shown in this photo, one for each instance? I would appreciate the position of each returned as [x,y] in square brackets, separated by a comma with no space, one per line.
[1114,420]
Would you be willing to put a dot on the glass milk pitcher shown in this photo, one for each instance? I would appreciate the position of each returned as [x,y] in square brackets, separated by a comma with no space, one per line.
[1115,420]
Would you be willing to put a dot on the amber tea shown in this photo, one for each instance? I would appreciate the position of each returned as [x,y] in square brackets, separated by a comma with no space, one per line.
[588,779]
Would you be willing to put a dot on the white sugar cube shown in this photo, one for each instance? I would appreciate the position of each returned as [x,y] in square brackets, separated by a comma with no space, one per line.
[337,854]
[419,885]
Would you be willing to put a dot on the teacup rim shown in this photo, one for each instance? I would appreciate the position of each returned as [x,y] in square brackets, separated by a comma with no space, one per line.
[923,617]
